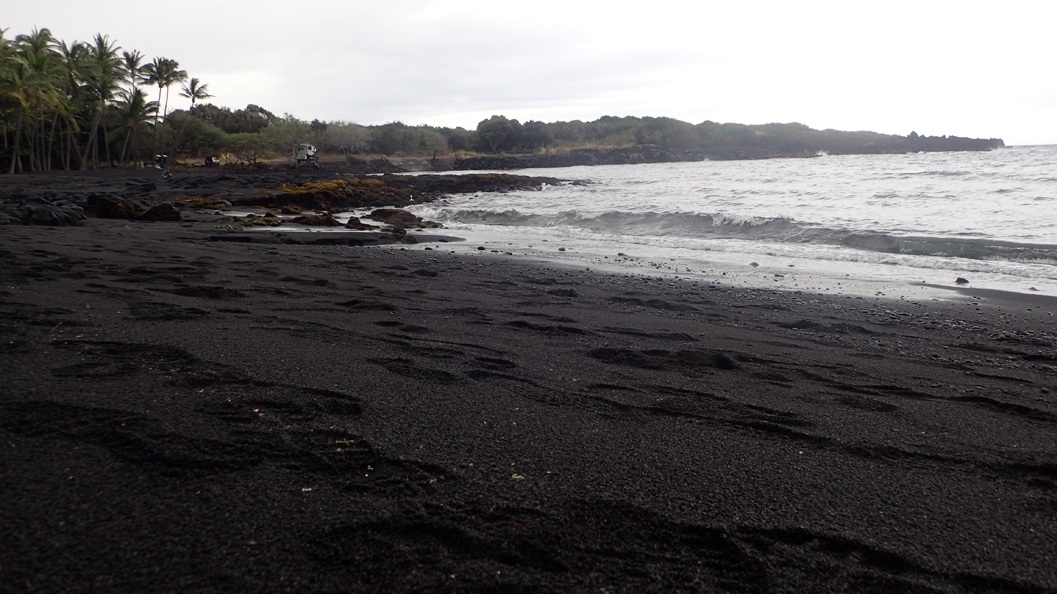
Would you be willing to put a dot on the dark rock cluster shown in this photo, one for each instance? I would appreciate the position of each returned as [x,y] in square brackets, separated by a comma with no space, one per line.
[308,194]
[318,219]
[398,218]
[62,200]
[40,211]
[389,190]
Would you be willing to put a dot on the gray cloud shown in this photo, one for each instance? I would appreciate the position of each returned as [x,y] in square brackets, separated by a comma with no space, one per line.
[940,67]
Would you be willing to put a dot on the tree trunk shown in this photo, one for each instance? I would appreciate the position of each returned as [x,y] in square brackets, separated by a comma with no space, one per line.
[31,138]
[154,134]
[98,117]
[66,141]
[71,147]
[165,118]
[106,145]
[51,141]
[124,145]
[165,110]
[40,162]
[16,147]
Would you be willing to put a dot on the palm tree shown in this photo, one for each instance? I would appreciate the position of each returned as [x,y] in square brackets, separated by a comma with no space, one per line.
[152,76]
[12,94]
[74,57]
[15,91]
[195,92]
[5,51]
[134,112]
[102,80]
[163,72]
[134,66]
[6,66]
[31,82]
[5,54]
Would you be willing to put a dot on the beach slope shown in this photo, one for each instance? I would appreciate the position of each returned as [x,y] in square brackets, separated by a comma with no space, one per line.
[183,414]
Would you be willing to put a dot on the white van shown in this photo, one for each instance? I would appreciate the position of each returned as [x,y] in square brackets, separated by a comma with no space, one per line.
[305,153]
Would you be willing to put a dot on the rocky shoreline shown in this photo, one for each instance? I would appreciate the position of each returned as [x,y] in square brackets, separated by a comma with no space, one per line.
[142,194]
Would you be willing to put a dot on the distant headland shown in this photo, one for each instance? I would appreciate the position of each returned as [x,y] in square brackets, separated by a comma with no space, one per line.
[668,140]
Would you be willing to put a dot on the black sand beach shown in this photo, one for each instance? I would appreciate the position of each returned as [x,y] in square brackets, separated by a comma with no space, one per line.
[186,415]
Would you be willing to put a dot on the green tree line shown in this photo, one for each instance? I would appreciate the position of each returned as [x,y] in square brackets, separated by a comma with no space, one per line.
[85,105]
[81,105]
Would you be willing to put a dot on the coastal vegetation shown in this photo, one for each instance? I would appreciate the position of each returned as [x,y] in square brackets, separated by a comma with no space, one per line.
[85,105]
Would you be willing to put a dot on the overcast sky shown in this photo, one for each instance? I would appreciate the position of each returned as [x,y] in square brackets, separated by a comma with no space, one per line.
[966,68]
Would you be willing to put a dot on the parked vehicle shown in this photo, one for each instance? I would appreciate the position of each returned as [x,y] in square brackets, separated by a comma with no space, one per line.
[305,153]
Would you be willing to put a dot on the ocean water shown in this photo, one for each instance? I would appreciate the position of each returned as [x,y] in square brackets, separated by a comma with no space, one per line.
[808,224]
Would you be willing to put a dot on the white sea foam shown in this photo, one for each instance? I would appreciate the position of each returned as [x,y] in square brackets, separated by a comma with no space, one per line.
[991,216]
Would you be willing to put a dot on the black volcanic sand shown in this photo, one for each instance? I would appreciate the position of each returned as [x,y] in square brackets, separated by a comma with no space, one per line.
[180,414]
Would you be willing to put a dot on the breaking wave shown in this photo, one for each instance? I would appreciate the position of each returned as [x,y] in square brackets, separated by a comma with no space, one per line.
[762,229]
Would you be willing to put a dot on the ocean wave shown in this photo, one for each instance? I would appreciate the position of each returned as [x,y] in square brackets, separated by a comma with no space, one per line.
[951,247]
[765,229]
[939,173]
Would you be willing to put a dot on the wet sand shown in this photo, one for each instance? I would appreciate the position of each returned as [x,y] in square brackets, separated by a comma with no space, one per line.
[182,414]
